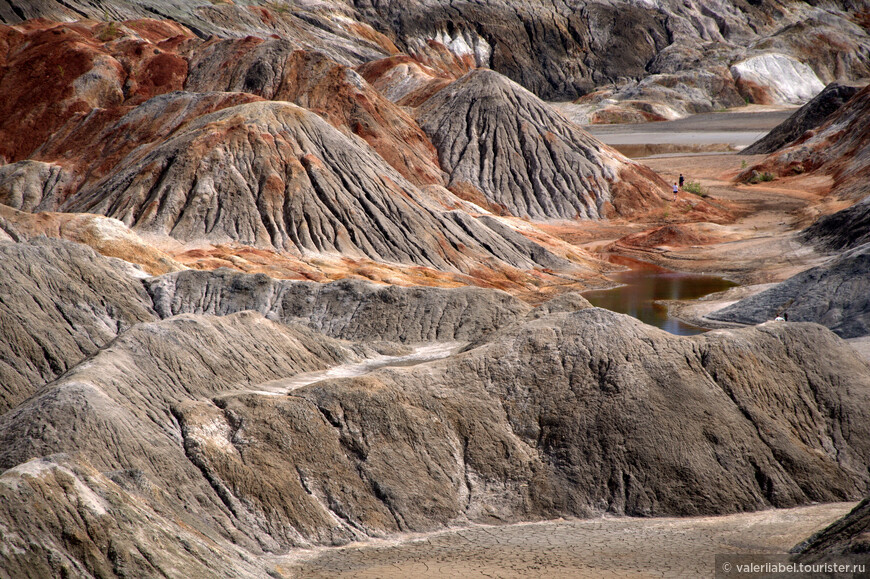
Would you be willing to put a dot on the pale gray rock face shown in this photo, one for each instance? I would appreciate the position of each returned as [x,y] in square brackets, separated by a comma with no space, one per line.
[496,136]
[809,116]
[836,295]
[348,309]
[59,303]
[788,81]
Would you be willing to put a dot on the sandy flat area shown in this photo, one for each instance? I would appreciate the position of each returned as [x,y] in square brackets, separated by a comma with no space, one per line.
[737,120]
[594,548]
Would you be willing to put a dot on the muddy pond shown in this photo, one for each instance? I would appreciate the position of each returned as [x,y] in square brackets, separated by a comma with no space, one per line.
[642,286]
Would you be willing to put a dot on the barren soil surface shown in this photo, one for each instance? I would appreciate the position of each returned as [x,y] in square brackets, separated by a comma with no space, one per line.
[594,548]
[757,247]
[749,231]
[754,119]
[731,130]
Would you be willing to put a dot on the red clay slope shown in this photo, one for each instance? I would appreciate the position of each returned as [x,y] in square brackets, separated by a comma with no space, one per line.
[52,72]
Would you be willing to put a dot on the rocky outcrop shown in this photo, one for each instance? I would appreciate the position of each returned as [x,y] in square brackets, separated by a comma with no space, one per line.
[776,79]
[348,309]
[556,51]
[59,303]
[497,137]
[836,295]
[839,148]
[847,537]
[809,116]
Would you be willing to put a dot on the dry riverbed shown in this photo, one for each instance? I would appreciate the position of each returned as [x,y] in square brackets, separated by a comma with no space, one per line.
[595,548]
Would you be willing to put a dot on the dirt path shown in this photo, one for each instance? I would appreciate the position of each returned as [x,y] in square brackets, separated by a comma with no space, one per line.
[595,548]
[761,244]
[419,355]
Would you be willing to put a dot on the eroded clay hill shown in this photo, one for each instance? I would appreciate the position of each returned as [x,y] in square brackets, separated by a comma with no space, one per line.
[635,60]
[274,70]
[228,162]
[160,452]
[274,174]
[839,148]
[502,143]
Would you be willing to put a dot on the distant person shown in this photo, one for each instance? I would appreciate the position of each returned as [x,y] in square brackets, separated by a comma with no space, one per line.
[675,191]
[681,180]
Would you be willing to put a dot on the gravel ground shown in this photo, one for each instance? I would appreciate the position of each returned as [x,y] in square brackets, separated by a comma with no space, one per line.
[595,548]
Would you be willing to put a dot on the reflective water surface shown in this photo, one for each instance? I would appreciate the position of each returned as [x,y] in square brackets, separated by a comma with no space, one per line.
[644,286]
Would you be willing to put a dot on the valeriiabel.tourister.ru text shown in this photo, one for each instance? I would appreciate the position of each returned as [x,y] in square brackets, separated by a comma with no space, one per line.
[782,566]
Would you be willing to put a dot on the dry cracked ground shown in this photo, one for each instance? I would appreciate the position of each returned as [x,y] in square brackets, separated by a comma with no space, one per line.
[608,547]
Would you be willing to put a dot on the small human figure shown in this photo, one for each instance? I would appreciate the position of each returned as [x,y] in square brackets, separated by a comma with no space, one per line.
[681,180]
[779,319]
[785,316]
[675,191]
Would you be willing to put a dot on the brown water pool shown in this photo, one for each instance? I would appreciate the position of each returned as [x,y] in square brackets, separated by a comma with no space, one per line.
[642,287]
